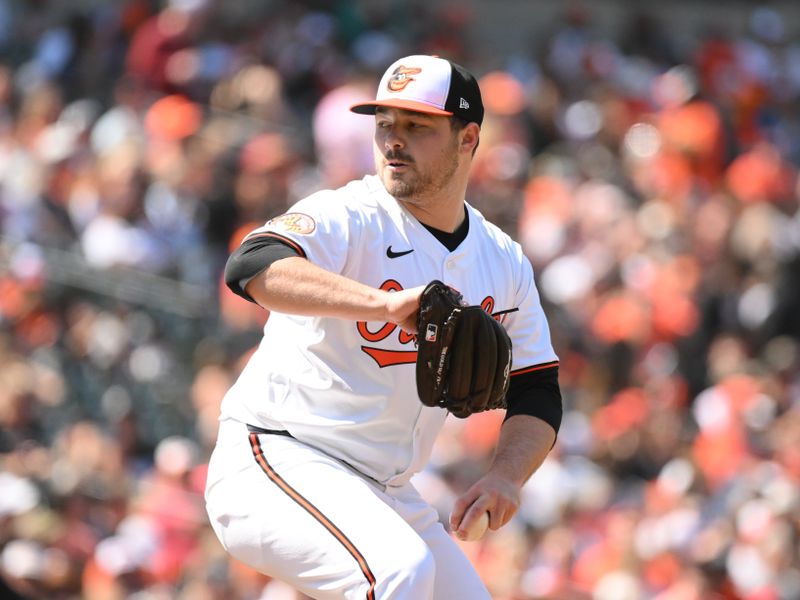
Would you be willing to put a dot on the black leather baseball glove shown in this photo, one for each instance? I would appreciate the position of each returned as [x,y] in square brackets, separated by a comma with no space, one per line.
[463,355]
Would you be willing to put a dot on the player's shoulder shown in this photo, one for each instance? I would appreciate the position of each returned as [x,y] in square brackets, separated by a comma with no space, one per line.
[493,234]
[364,192]
[354,195]
[342,211]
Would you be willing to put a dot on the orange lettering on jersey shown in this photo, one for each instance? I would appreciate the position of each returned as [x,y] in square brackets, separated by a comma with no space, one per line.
[406,337]
[386,330]
[388,358]
[500,316]
[383,356]
[377,336]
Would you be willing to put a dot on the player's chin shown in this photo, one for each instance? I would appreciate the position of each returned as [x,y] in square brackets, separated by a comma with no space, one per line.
[398,186]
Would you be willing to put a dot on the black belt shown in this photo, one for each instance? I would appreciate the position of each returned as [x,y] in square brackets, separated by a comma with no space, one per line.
[254,429]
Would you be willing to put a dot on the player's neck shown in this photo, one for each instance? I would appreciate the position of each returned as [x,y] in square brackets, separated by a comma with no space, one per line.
[444,210]
[438,215]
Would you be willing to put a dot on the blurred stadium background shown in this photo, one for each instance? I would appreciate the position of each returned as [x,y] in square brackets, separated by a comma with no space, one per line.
[645,154]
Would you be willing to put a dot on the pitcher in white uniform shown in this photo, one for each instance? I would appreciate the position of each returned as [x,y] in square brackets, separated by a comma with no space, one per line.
[310,479]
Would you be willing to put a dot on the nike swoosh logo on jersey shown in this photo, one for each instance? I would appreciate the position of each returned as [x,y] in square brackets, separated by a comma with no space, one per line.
[392,254]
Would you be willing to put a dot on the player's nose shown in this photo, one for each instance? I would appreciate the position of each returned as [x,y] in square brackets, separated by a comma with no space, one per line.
[392,139]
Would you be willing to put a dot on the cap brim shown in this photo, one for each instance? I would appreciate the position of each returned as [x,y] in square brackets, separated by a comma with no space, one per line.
[368,108]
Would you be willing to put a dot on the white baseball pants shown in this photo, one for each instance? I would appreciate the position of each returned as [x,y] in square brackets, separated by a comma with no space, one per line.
[298,515]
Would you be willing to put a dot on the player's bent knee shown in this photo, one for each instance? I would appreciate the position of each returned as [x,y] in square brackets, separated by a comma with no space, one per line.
[240,547]
[410,575]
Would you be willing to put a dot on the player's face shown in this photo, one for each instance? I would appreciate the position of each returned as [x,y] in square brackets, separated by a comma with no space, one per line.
[416,155]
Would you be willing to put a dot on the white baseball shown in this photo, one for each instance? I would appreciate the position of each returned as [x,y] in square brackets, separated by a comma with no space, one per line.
[476,531]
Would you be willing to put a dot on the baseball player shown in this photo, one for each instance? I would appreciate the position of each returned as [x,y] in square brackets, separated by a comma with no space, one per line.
[310,479]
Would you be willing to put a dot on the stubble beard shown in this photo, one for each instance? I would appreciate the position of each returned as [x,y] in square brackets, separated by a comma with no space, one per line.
[414,186]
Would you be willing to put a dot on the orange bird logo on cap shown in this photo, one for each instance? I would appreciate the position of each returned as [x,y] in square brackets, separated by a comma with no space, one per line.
[401,77]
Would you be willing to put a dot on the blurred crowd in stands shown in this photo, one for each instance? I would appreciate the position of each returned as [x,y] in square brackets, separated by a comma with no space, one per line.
[651,177]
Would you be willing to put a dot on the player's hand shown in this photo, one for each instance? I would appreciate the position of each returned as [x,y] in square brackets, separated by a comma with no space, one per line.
[493,494]
[402,307]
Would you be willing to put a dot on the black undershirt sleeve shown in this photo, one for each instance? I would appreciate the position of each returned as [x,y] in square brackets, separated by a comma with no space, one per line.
[538,394]
[251,258]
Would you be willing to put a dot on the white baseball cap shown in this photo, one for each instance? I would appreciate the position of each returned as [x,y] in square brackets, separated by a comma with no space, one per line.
[428,84]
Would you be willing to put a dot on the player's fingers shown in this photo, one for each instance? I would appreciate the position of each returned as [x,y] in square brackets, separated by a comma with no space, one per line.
[500,510]
[402,307]
[455,517]
[459,509]
[474,512]
[501,514]
[409,325]
[410,328]
[498,518]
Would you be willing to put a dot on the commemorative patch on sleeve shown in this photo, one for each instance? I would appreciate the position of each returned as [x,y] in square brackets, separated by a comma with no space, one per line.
[293,223]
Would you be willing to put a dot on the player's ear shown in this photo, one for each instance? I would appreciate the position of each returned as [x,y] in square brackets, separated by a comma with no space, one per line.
[470,136]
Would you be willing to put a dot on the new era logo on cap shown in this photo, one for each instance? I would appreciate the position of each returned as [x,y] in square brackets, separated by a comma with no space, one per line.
[428,84]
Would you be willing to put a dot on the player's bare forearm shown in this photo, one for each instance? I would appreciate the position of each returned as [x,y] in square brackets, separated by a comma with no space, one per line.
[524,443]
[296,286]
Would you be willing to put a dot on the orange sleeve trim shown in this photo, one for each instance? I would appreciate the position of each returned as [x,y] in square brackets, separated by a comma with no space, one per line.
[549,365]
[288,241]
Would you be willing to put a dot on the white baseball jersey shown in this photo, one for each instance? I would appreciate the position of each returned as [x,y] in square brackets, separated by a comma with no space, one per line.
[348,388]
